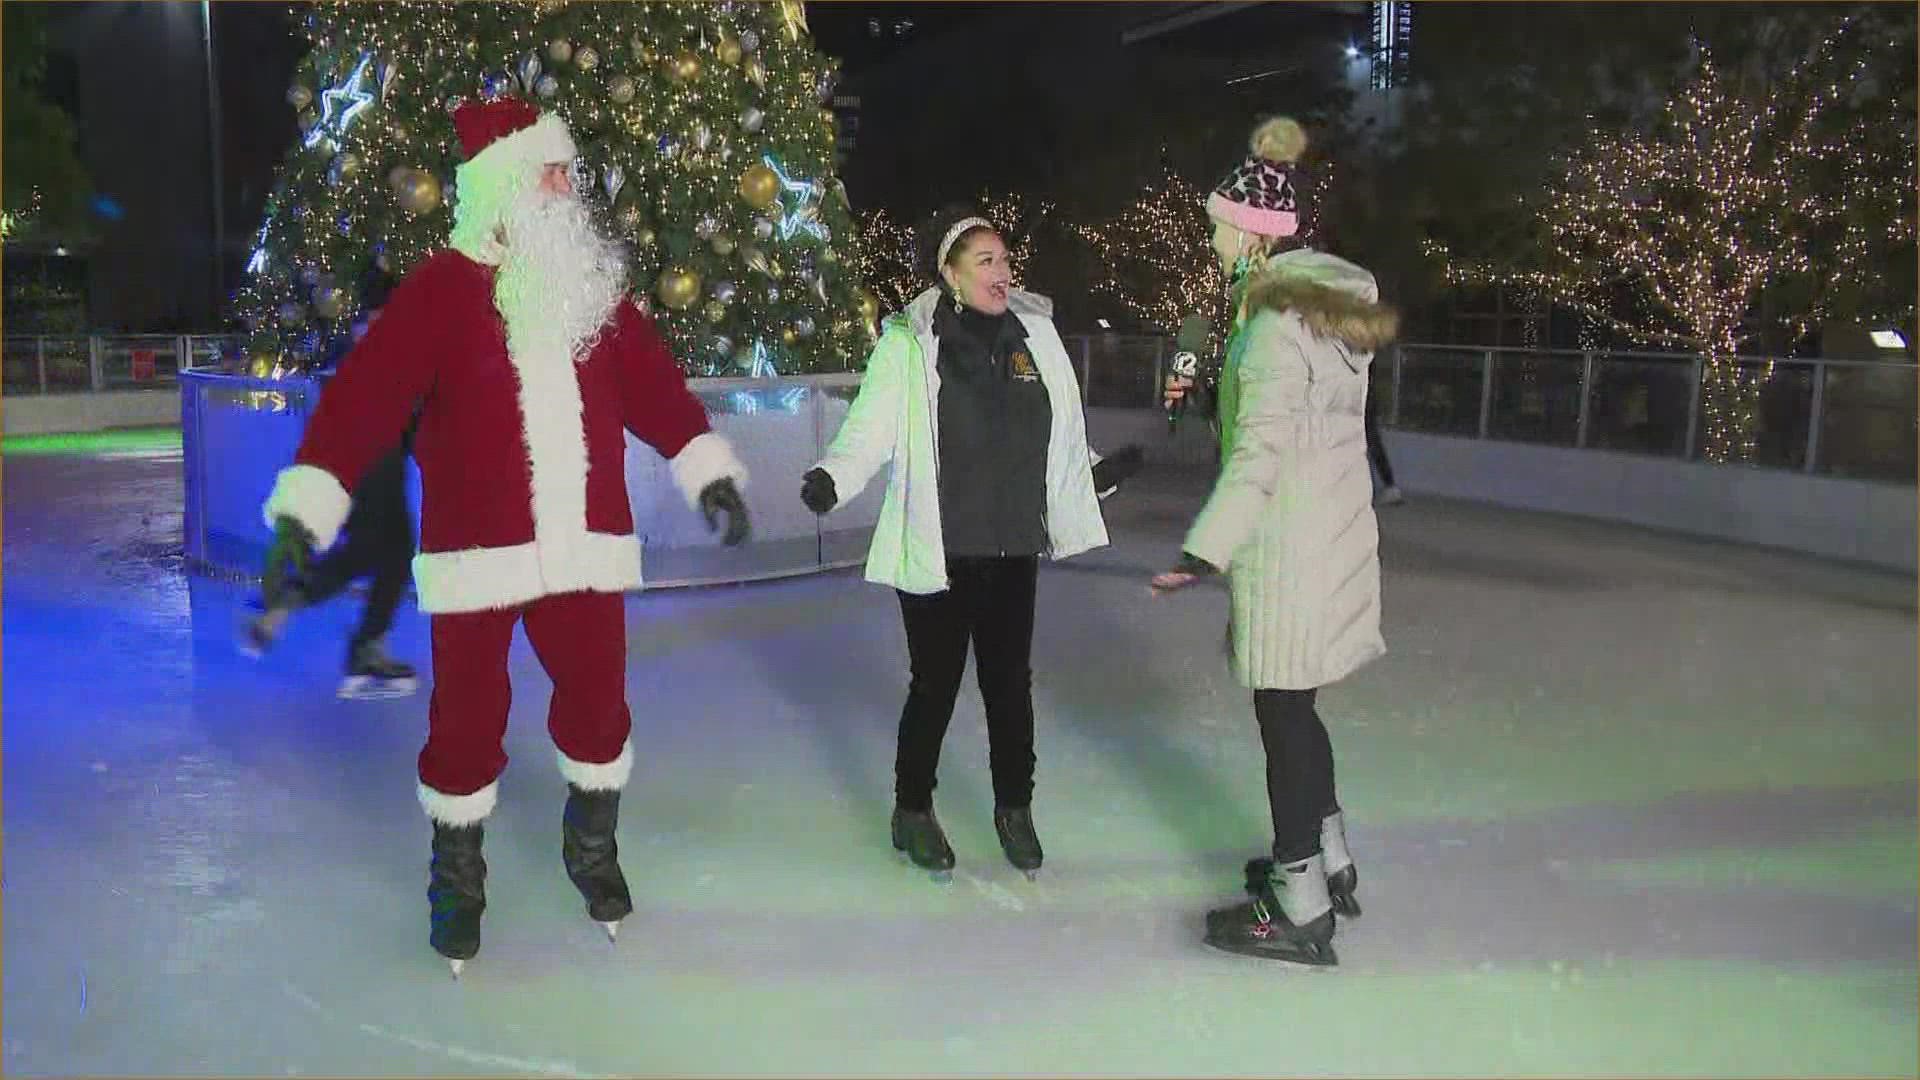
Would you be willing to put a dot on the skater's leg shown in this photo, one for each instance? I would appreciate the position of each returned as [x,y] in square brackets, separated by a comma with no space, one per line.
[390,561]
[1299,777]
[460,768]
[1377,452]
[1003,657]
[467,716]
[581,639]
[937,631]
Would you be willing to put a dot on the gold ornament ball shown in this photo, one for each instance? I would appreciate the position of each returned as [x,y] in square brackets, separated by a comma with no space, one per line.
[729,51]
[723,244]
[621,89]
[686,66]
[629,217]
[715,311]
[826,117]
[260,365]
[645,237]
[560,49]
[299,96]
[330,303]
[473,47]
[789,335]
[869,306]
[757,72]
[678,288]
[585,58]
[759,186]
[418,191]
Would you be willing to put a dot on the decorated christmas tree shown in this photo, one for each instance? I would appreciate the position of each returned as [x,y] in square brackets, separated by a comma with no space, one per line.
[704,137]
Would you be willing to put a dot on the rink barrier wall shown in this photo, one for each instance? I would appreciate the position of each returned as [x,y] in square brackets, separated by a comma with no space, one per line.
[237,432]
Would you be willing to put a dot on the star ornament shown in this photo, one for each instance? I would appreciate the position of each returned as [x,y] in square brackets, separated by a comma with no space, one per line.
[803,214]
[341,105]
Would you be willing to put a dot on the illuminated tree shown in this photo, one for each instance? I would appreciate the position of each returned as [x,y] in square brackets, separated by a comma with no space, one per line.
[704,142]
[1158,257]
[1804,188]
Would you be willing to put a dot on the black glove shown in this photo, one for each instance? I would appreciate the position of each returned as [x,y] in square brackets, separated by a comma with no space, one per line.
[722,497]
[1193,564]
[816,490]
[287,560]
[1117,467]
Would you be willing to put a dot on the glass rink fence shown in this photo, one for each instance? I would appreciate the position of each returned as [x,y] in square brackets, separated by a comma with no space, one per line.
[238,432]
[1825,417]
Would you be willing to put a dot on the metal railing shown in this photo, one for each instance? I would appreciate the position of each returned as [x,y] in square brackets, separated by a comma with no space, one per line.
[1829,417]
[80,365]
[1832,417]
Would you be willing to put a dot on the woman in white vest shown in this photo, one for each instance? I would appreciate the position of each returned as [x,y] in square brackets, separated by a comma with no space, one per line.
[1291,521]
[970,397]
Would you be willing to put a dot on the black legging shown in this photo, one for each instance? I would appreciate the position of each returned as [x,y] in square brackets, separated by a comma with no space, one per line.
[377,543]
[1376,447]
[1299,770]
[988,603]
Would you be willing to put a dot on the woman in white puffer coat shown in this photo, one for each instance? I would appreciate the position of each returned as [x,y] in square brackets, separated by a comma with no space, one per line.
[1291,522]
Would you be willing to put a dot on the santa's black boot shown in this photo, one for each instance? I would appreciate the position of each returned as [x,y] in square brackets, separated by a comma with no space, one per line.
[1342,876]
[917,833]
[457,892]
[592,855]
[1018,840]
[1292,918]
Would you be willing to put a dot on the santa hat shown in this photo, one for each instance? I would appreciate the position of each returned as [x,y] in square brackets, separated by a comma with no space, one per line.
[506,135]
[1265,194]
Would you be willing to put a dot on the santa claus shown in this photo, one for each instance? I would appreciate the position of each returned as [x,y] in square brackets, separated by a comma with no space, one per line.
[525,360]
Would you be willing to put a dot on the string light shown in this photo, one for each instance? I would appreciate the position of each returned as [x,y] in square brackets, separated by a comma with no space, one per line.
[1732,192]
[1159,258]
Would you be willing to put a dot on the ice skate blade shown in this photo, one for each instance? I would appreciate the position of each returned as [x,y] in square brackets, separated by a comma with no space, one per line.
[940,877]
[612,929]
[368,688]
[456,965]
[1307,956]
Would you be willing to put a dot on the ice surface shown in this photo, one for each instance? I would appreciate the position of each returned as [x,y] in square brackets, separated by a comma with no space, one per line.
[1622,804]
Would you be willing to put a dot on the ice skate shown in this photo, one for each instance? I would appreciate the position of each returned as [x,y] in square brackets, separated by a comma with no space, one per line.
[1343,878]
[1018,840]
[917,834]
[373,675]
[592,855]
[259,633]
[1292,919]
[457,892]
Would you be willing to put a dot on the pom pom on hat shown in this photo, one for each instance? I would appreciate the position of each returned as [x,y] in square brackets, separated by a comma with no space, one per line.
[1279,139]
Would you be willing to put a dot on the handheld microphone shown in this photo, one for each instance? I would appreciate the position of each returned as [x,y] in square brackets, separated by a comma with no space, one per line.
[1193,335]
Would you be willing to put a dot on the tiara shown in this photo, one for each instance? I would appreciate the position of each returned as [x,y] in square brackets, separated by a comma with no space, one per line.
[959,227]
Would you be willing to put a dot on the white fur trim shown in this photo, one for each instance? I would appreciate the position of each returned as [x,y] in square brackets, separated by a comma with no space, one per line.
[546,142]
[708,457]
[311,496]
[486,579]
[605,776]
[459,809]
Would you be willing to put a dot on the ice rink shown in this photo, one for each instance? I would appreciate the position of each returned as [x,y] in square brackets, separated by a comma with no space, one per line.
[1622,804]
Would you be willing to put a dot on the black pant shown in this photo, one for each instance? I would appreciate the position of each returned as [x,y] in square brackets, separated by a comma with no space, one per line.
[988,602]
[1376,447]
[1299,770]
[378,543]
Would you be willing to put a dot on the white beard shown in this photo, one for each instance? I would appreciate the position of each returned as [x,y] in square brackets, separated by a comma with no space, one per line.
[560,279]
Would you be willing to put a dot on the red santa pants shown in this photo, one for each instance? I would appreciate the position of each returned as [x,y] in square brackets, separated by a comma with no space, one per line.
[581,640]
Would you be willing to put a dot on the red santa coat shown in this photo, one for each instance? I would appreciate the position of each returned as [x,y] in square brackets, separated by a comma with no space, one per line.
[522,461]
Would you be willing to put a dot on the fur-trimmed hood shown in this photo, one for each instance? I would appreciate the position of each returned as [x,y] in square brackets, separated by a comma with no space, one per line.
[1335,298]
